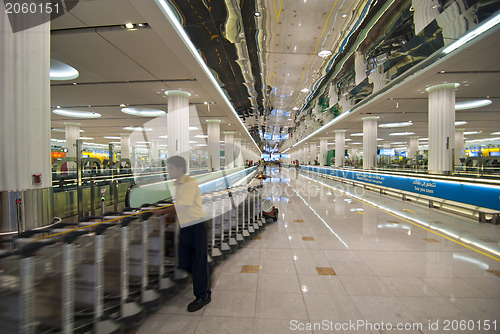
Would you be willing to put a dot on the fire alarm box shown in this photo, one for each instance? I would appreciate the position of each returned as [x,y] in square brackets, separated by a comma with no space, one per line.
[37,178]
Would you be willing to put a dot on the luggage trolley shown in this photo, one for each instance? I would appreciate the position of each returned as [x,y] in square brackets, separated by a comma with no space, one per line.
[255,208]
[229,218]
[249,212]
[243,212]
[139,264]
[237,217]
[116,273]
[91,249]
[213,208]
[218,233]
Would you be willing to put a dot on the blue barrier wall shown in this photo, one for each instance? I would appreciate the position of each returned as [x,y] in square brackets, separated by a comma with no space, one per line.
[487,196]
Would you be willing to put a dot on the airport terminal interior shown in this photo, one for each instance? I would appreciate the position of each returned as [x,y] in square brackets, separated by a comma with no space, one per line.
[346,152]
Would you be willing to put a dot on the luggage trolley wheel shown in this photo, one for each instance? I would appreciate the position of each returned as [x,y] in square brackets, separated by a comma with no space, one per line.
[133,314]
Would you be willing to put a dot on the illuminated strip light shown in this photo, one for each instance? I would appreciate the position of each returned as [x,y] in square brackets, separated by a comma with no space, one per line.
[333,121]
[418,221]
[473,34]
[324,222]
[187,41]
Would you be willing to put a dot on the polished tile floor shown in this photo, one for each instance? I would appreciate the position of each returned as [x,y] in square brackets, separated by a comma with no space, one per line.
[333,263]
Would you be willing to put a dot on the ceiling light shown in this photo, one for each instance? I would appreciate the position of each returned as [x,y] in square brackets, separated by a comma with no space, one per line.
[359,134]
[257,14]
[423,138]
[295,108]
[86,138]
[398,142]
[458,123]
[192,141]
[193,128]
[76,113]
[164,136]
[472,104]
[111,137]
[401,133]
[143,142]
[115,142]
[123,105]
[201,145]
[145,112]
[344,15]
[474,33]
[395,125]
[201,136]
[348,139]
[137,128]
[495,133]
[325,53]
[129,25]
[62,71]
[380,139]
[305,90]
[471,132]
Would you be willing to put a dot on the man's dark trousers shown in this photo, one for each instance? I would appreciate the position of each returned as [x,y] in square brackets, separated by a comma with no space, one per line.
[193,258]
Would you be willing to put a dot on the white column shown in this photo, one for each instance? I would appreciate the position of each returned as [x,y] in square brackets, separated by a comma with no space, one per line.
[459,146]
[155,156]
[238,160]
[178,124]
[72,134]
[413,148]
[441,127]
[339,148]
[228,150]
[125,145]
[213,130]
[369,142]
[313,152]
[24,127]
[323,151]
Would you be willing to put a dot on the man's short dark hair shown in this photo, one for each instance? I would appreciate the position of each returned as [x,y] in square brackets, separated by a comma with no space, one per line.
[178,161]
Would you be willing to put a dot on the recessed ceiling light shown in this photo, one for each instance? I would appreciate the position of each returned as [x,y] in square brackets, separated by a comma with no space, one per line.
[145,112]
[398,142]
[401,133]
[359,134]
[295,108]
[257,14]
[123,105]
[348,139]
[471,132]
[192,141]
[472,104]
[305,90]
[163,137]
[111,137]
[395,125]
[201,136]
[344,15]
[325,53]
[76,113]
[495,133]
[201,145]
[193,128]
[137,128]
[62,71]
[458,123]
[129,25]
[115,142]
[86,138]
[380,139]
[423,139]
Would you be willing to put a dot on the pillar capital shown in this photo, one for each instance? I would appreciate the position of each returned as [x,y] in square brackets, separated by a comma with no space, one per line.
[171,93]
[374,118]
[213,121]
[228,132]
[446,86]
[73,124]
[340,131]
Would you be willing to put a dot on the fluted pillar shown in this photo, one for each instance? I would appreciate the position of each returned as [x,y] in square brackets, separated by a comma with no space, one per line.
[25,166]
[72,134]
[213,130]
[238,155]
[125,145]
[369,142]
[459,146]
[441,127]
[178,124]
[339,148]
[228,150]
[313,152]
[323,151]
[413,148]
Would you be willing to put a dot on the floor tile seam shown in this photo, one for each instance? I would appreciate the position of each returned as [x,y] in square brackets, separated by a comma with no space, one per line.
[415,223]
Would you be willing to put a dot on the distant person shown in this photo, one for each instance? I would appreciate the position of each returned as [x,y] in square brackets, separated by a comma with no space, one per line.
[193,234]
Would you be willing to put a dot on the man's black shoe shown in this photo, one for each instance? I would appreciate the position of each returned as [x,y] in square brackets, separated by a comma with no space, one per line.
[197,304]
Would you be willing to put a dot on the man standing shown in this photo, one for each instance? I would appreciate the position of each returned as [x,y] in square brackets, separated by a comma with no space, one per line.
[193,236]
